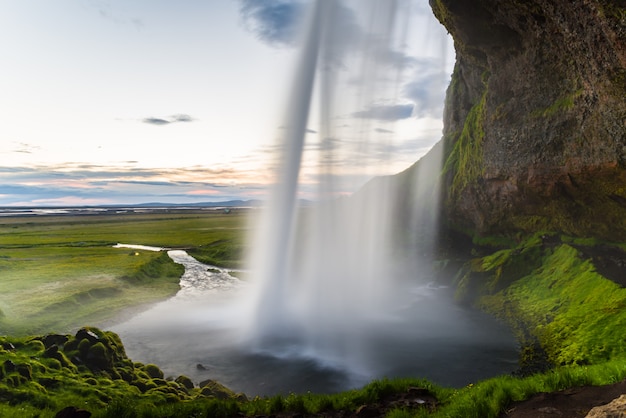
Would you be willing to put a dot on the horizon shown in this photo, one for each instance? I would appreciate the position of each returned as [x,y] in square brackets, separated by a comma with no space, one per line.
[110,103]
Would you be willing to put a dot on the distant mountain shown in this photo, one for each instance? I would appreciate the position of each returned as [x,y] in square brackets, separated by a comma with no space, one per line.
[229,203]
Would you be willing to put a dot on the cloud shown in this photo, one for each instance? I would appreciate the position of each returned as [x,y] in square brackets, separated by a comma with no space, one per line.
[277,22]
[427,92]
[24,148]
[181,117]
[124,184]
[272,21]
[106,12]
[385,112]
[155,121]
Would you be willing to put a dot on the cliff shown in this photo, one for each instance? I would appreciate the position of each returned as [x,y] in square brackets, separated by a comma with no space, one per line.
[535,118]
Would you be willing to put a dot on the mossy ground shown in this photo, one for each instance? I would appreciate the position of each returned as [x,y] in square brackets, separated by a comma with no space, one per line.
[572,311]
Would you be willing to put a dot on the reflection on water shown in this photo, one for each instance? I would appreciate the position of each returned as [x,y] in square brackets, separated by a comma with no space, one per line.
[198,333]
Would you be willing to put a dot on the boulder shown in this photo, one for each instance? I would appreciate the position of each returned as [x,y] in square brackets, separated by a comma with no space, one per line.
[614,409]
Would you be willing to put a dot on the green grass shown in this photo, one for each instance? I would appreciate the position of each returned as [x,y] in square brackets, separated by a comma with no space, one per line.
[572,311]
[59,272]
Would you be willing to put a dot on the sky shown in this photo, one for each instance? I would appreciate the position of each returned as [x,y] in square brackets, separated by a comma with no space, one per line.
[133,101]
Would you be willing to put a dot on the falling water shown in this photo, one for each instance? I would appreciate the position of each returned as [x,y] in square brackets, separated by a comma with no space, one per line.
[342,291]
[327,278]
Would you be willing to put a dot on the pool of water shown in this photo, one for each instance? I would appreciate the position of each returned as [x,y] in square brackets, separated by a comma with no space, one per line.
[199,333]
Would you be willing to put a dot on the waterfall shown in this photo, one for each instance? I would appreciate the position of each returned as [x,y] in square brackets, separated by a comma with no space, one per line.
[329,275]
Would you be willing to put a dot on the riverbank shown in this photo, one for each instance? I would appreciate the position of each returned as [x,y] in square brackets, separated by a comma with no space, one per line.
[61,272]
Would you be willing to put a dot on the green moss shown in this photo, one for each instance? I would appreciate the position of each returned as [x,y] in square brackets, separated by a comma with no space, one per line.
[83,346]
[466,158]
[153,371]
[215,389]
[561,104]
[571,309]
[185,382]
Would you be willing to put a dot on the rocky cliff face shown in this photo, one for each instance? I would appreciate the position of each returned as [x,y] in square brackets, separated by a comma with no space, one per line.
[535,120]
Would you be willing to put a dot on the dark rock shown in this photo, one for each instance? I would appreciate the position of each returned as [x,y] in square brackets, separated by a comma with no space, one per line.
[200,367]
[72,412]
[184,381]
[25,370]
[86,333]
[534,132]
[54,339]
[9,366]
[8,346]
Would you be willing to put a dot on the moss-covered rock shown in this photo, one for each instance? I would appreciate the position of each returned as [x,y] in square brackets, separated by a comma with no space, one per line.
[153,371]
[185,382]
[212,388]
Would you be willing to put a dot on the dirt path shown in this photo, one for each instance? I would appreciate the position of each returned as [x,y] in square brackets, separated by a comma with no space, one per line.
[569,403]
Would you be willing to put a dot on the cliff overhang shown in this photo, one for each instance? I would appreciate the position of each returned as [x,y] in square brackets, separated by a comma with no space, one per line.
[535,118]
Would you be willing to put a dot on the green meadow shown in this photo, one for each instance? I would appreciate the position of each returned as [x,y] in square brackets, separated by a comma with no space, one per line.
[58,273]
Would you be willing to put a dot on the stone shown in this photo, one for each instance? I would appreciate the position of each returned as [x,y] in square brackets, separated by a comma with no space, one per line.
[8,346]
[215,389]
[85,333]
[54,339]
[184,381]
[9,366]
[614,409]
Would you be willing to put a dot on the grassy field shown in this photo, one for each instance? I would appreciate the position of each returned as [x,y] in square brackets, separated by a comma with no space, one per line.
[61,272]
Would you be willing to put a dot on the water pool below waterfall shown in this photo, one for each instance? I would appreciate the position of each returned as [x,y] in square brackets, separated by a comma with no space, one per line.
[197,333]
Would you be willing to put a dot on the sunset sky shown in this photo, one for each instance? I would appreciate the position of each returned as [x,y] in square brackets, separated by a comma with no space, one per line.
[131,101]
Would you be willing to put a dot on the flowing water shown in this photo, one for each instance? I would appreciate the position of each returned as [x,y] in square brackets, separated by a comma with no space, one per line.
[341,292]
